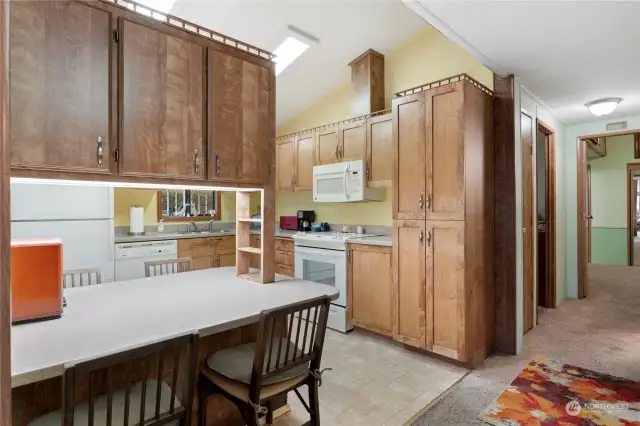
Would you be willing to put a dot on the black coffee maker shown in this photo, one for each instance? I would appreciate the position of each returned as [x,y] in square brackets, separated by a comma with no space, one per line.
[305,219]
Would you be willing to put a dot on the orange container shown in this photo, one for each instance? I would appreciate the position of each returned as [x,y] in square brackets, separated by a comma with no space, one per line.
[36,279]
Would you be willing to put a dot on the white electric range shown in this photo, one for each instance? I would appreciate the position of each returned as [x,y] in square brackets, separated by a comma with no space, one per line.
[322,257]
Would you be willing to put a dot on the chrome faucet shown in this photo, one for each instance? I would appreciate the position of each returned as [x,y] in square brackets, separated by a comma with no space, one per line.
[195,227]
[210,225]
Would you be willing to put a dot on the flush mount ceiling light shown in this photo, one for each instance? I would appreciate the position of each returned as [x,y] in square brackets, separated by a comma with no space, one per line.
[294,45]
[604,106]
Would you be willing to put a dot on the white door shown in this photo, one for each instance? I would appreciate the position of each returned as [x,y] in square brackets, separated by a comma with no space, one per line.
[85,243]
[325,267]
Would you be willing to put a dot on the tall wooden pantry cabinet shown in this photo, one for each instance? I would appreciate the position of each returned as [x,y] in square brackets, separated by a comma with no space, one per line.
[443,219]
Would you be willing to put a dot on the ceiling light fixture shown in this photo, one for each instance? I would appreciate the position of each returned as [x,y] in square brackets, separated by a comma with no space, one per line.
[601,107]
[294,45]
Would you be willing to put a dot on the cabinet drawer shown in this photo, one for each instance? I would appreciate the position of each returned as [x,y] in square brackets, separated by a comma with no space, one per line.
[284,257]
[222,243]
[284,244]
[285,270]
[194,247]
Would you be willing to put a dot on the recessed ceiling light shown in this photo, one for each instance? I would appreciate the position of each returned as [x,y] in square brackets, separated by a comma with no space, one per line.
[604,106]
[294,45]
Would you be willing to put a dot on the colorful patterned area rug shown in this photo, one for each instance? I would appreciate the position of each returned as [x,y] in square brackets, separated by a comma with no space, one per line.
[552,393]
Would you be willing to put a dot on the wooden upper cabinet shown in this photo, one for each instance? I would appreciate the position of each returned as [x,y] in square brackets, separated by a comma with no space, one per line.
[409,284]
[445,283]
[328,146]
[240,129]
[370,288]
[445,152]
[60,87]
[409,183]
[285,164]
[163,102]
[304,161]
[352,140]
[380,151]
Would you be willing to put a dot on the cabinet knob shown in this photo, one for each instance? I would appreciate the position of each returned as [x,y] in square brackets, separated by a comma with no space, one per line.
[100,151]
[217,164]
[196,162]
[368,173]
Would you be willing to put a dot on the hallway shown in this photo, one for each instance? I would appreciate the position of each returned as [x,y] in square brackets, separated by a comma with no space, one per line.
[601,333]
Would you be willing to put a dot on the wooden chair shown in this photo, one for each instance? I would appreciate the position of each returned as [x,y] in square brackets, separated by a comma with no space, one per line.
[286,356]
[69,277]
[145,402]
[167,267]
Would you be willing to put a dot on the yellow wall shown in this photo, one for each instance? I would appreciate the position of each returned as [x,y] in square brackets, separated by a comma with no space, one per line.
[124,198]
[426,56]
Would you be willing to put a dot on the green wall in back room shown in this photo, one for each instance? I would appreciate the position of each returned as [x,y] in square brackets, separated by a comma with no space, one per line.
[609,246]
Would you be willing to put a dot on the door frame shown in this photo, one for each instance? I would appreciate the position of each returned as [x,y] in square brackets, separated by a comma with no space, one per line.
[631,212]
[581,206]
[550,211]
[529,230]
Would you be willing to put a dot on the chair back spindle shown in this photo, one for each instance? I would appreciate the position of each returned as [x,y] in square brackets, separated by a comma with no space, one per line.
[167,267]
[81,277]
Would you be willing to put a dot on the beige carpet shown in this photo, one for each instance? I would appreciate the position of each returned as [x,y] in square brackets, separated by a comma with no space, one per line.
[601,333]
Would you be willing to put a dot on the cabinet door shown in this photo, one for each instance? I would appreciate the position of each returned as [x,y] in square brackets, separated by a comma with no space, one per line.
[409,284]
[409,183]
[327,146]
[380,151]
[445,287]
[60,86]
[445,153]
[163,103]
[285,164]
[226,257]
[305,160]
[369,288]
[239,119]
[202,262]
[352,138]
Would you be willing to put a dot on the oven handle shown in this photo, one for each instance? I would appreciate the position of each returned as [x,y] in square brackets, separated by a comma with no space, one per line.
[318,252]
[344,177]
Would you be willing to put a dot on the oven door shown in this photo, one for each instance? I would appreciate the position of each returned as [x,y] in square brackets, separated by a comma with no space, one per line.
[330,183]
[324,267]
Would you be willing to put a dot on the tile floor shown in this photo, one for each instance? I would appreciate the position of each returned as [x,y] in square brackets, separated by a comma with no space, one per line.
[374,381]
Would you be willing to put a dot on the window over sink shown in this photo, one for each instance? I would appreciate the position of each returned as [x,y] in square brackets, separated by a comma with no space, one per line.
[188,205]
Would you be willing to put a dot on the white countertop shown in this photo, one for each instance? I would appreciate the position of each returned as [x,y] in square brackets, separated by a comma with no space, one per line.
[380,240]
[112,317]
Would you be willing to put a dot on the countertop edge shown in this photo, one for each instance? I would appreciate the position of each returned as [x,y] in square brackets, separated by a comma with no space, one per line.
[372,241]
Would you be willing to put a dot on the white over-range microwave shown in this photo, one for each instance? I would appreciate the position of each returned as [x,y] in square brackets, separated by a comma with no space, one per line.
[343,183]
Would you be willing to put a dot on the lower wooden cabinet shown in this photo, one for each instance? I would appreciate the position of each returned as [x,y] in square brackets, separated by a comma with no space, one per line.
[369,288]
[285,263]
[209,252]
[443,289]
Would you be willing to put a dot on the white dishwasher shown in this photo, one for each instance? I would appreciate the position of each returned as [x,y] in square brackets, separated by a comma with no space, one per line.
[130,257]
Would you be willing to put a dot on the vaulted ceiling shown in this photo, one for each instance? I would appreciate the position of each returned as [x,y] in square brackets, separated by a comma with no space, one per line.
[565,52]
[345,29]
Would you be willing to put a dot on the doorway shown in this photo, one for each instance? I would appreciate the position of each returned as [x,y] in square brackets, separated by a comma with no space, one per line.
[528,220]
[633,211]
[546,214]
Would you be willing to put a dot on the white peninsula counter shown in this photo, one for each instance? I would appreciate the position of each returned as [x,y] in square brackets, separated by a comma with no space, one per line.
[112,317]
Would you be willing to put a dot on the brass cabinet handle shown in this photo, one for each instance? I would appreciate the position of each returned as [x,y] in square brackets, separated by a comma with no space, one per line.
[217,164]
[196,162]
[421,238]
[349,256]
[342,150]
[218,261]
[338,151]
[429,238]
[100,151]
[421,202]
[368,173]
[429,201]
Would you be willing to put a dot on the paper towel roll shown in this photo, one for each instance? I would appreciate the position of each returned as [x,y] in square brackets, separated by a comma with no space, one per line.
[136,220]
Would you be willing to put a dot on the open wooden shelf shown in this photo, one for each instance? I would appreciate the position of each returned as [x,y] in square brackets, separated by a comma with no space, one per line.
[254,250]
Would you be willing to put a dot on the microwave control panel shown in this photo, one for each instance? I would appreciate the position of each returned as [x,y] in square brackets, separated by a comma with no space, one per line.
[353,181]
